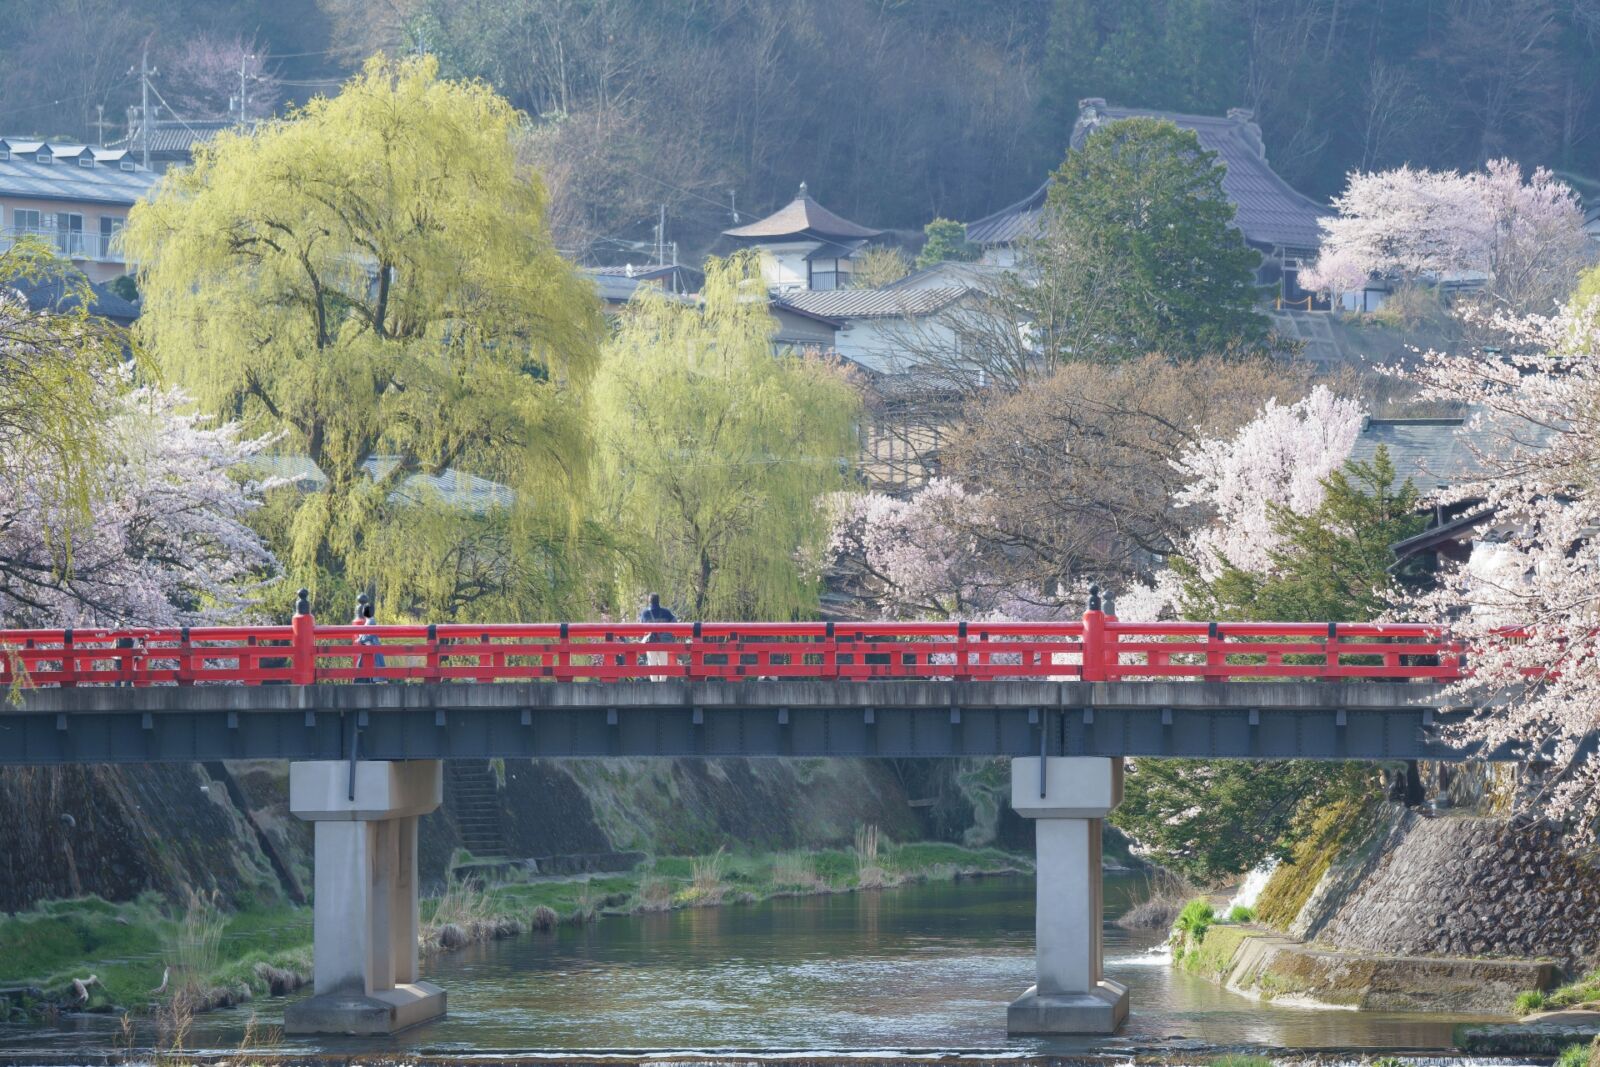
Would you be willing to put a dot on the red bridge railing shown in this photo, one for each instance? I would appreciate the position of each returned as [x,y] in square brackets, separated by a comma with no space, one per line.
[1097,648]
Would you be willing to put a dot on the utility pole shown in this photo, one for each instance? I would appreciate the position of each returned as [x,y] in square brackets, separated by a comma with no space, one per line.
[661,238]
[244,59]
[144,104]
[100,122]
[733,205]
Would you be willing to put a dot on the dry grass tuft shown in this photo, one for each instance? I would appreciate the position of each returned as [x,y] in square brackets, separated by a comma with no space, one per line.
[1166,896]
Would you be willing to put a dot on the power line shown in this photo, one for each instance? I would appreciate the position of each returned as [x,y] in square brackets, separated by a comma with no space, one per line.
[66,99]
[174,113]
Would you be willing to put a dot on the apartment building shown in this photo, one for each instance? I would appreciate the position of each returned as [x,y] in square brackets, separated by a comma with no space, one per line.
[73,197]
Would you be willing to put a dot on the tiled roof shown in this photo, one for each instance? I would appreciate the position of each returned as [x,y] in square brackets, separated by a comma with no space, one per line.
[1443,452]
[452,488]
[870,303]
[1013,223]
[802,216]
[1269,210]
[22,175]
[52,294]
[612,288]
[952,272]
[173,138]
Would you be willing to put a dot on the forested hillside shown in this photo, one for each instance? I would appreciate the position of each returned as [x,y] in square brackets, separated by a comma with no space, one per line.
[894,111]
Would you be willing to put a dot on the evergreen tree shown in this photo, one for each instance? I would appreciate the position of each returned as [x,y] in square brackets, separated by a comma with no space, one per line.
[1332,563]
[947,241]
[1139,254]
[1211,819]
[714,452]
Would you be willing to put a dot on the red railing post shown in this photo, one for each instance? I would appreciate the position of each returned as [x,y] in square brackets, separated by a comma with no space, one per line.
[304,631]
[1094,639]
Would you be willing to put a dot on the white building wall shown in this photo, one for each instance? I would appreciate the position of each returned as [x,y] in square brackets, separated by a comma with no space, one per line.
[783,266]
[889,345]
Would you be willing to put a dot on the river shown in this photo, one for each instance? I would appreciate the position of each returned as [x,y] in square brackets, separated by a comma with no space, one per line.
[921,967]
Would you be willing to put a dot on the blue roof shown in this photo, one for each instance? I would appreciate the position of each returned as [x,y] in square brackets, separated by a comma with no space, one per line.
[21,174]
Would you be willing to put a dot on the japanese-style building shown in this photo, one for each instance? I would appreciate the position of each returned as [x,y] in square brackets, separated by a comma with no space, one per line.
[803,245]
[1273,217]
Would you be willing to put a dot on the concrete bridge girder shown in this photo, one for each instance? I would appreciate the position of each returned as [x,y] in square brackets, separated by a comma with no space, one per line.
[755,717]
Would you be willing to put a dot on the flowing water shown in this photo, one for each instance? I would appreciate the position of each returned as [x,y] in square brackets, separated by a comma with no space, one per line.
[922,967]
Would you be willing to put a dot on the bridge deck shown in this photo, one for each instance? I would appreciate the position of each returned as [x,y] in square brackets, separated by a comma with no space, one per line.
[1303,720]
[1095,687]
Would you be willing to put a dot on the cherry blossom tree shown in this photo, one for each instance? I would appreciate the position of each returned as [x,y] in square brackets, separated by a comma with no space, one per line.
[1279,458]
[164,540]
[910,557]
[1525,237]
[205,73]
[1528,605]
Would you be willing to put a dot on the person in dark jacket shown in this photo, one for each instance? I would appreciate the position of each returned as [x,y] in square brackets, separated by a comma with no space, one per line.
[654,612]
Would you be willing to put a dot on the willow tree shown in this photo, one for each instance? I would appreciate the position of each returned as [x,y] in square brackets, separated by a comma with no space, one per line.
[373,276]
[714,450]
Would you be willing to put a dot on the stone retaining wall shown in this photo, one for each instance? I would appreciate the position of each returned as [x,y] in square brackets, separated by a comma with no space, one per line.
[1460,886]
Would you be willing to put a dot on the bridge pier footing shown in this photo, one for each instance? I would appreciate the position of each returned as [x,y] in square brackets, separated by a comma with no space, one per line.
[365,916]
[1069,799]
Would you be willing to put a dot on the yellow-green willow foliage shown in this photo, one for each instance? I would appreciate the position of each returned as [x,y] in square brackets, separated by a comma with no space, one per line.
[374,275]
[713,451]
[56,378]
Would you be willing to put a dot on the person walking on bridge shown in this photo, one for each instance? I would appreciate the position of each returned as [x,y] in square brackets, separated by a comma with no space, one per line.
[363,617]
[654,612]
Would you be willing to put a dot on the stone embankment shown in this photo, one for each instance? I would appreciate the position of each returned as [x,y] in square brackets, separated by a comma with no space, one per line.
[1265,966]
[1459,886]
[1410,912]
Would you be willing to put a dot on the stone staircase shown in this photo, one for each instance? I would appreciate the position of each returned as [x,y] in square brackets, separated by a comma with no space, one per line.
[473,799]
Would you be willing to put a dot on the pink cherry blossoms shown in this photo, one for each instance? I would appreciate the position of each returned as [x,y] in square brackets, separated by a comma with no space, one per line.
[1280,457]
[164,540]
[1523,239]
[910,558]
[1530,599]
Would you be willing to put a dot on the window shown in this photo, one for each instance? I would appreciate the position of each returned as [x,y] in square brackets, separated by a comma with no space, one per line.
[829,273]
[127,164]
[25,221]
[45,157]
[86,160]
[69,233]
[5,153]
[110,232]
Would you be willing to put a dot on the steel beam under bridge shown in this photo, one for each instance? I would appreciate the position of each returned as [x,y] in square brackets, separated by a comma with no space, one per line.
[907,718]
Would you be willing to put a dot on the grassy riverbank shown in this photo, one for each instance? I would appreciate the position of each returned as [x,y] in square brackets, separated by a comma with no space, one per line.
[212,956]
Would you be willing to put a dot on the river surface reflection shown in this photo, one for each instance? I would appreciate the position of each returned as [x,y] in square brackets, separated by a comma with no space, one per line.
[930,966]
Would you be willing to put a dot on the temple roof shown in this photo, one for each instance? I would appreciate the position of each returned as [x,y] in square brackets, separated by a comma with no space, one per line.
[800,217]
[1269,211]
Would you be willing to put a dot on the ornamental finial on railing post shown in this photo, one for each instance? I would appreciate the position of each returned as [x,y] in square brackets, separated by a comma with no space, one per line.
[302,603]
[1109,604]
[1094,638]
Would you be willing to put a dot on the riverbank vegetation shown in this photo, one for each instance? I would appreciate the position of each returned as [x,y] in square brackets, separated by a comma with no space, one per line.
[145,956]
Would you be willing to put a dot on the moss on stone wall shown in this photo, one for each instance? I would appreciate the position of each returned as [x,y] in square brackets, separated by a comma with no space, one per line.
[1341,824]
[1213,956]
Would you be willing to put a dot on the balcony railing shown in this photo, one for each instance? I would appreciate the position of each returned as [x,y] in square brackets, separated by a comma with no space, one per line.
[74,244]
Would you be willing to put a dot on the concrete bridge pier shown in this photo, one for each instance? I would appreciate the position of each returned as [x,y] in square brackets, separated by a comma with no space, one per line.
[365,917]
[1069,800]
